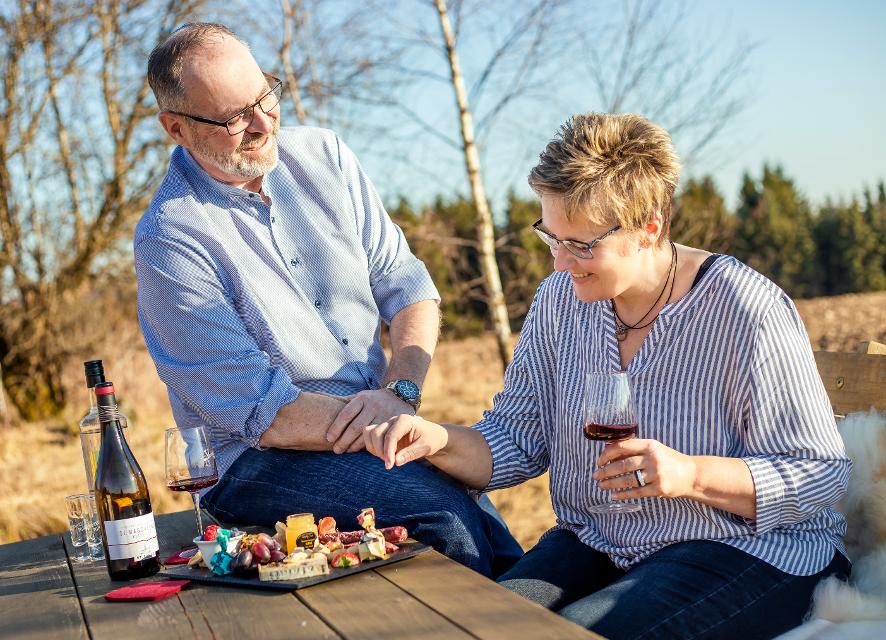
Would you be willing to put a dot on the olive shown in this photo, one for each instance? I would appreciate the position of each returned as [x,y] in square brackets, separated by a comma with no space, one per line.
[243,561]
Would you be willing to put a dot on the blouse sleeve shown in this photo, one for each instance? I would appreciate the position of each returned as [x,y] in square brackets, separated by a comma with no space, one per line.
[796,456]
[513,427]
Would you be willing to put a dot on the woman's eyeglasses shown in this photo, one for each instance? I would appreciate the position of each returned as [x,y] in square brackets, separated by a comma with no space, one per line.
[583,250]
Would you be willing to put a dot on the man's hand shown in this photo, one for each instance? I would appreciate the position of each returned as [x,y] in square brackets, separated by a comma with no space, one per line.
[366,408]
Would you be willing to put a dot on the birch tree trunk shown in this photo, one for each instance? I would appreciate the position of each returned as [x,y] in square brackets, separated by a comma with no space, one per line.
[290,15]
[485,230]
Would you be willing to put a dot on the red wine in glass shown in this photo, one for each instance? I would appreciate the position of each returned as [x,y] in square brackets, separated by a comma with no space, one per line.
[609,417]
[190,464]
[609,432]
[192,485]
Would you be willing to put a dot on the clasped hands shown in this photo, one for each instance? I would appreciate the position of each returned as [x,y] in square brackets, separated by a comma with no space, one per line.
[364,409]
[386,427]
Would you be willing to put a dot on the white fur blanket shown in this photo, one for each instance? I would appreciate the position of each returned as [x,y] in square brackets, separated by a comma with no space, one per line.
[857,610]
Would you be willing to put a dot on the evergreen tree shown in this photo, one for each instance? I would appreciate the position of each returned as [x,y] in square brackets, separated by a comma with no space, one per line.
[849,250]
[701,218]
[524,259]
[774,232]
[875,215]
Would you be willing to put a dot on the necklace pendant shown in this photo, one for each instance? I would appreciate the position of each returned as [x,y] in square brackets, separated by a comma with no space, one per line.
[621,332]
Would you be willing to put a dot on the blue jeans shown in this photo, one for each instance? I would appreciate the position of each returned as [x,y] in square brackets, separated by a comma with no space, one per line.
[262,487]
[688,590]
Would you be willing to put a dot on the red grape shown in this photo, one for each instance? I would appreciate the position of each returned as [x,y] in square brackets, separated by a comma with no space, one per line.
[261,553]
[277,555]
[265,539]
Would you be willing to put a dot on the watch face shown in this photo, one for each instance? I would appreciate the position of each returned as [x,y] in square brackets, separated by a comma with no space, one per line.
[407,389]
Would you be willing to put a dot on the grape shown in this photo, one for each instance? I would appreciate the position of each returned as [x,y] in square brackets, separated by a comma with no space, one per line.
[243,561]
[277,555]
[265,539]
[261,553]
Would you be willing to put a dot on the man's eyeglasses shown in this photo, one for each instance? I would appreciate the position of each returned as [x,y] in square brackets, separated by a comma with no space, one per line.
[583,250]
[240,122]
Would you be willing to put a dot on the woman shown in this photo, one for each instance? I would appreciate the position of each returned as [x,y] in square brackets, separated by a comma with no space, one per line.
[737,460]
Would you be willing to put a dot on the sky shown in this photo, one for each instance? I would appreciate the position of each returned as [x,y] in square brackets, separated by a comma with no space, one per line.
[815,102]
[818,101]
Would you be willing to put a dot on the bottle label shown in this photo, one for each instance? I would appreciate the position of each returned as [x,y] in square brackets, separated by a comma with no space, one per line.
[134,538]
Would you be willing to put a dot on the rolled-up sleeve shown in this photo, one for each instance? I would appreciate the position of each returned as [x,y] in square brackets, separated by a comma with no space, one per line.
[199,343]
[398,279]
[513,427]
[796,456]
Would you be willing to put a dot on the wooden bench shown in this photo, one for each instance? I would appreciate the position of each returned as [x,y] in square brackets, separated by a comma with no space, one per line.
[854,381]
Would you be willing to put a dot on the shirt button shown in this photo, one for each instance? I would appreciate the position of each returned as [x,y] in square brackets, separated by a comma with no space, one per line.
[317,303]
[294,262]
[273,219]
[344,341]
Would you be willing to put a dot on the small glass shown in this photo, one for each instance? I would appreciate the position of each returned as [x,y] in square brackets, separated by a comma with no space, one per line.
[190,463]
[77,507]
[94,531]
[609,417]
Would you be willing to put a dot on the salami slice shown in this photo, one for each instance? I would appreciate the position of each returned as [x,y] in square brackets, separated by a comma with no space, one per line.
[391,534]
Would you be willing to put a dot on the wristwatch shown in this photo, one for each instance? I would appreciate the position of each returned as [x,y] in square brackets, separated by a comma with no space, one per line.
[407,391]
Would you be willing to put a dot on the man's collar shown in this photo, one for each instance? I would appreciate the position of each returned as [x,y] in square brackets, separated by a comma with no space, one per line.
[193,169]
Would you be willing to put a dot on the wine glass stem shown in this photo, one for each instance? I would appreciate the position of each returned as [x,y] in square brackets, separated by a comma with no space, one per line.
[196,497]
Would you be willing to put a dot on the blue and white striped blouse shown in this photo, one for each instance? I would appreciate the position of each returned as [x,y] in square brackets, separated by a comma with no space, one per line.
[727,370]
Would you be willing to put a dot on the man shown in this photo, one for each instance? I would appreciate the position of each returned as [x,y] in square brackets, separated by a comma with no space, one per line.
[264,264]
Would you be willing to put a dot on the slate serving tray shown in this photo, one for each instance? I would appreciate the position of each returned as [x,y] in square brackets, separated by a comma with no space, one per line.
[407,550]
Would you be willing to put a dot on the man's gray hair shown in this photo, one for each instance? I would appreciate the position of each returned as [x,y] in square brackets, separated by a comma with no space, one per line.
[167,59]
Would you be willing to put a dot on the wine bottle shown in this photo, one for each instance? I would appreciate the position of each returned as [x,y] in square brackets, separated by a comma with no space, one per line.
[129,536]
[90,430]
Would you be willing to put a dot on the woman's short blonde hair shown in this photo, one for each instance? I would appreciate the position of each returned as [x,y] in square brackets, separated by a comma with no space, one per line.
[610,169]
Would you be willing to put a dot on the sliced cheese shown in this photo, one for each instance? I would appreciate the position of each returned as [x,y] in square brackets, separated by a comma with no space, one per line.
[315,565]
[375,545]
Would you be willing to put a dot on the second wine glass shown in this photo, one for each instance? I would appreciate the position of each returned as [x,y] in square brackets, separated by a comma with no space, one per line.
[610,416]
[190,463]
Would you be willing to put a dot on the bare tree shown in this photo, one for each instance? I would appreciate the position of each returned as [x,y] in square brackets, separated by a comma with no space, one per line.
[644,60]
[518,43]
[329,53]
[293,15]
[79,160]
[485,228]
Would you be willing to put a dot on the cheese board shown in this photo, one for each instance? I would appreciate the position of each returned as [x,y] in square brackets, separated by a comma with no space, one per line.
[407,549]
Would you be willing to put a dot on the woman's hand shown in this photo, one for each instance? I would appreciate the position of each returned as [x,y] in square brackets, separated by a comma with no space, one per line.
[403,439]
[667,472]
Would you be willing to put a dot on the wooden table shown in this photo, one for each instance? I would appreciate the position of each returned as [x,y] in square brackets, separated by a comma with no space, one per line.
[43,593]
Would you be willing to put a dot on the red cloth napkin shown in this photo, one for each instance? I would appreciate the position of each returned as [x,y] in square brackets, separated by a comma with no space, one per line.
[176,558]
[147,591]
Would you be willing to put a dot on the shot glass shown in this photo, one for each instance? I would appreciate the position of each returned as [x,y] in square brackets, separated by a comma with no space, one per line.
[94,531]
[78,515]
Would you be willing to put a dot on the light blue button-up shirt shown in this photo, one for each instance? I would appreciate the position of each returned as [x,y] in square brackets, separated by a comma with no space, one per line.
[243,304]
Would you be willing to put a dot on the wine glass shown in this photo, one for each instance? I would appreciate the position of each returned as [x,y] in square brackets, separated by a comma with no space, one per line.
[190,463]
[609,416]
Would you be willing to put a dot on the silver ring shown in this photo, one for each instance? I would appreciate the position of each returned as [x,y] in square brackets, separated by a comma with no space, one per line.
[641,477]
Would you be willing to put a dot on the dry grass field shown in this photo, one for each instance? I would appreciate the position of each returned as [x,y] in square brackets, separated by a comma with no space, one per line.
[41,463]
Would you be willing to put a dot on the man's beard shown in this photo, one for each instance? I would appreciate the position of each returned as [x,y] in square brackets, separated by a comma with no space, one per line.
[236,163]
